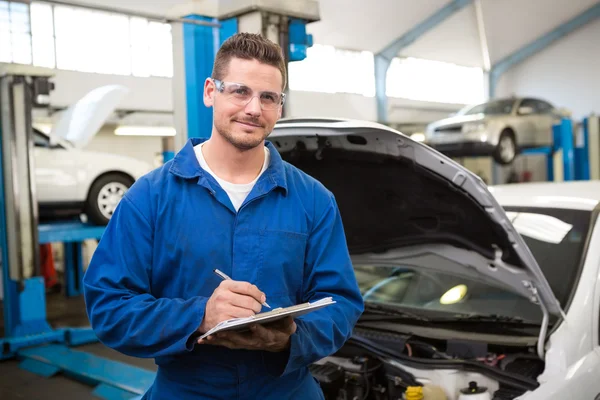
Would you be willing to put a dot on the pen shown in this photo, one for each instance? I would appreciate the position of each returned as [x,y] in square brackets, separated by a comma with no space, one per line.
[226,278]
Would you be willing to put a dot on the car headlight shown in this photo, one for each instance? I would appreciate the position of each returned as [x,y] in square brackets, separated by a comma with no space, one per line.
[477,127]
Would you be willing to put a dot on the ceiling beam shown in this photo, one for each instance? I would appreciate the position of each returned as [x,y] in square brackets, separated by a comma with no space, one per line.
[540,44]
[384,58]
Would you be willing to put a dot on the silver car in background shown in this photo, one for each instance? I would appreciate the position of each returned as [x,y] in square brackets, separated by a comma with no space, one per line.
[499,128]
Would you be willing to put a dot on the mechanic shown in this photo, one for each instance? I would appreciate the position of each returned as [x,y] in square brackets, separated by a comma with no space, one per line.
[229,203]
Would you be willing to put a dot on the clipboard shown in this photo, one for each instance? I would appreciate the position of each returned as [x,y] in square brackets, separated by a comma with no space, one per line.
[239,324]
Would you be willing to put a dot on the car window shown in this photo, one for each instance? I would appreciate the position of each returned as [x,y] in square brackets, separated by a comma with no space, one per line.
[544,107]
[497,107]
[556,239]
[40,140]
[538,106]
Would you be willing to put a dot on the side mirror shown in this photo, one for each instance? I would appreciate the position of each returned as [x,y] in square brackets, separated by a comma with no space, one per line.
[525,110]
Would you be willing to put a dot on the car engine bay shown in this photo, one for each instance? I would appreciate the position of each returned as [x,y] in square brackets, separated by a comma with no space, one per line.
[376,365]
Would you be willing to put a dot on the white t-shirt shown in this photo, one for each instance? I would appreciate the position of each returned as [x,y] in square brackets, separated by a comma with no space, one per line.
[237,192]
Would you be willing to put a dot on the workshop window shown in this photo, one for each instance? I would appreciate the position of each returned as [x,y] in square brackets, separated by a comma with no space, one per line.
[434,81]
[330,70]
[80,39]
[15,33]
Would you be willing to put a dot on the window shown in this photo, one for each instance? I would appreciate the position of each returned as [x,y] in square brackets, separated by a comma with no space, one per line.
[15,33]
[42,35]
[330,70]
[80,39]
[434,81]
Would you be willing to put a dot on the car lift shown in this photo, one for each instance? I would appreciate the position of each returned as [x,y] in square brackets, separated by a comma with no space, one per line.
[580,154]
[28,336]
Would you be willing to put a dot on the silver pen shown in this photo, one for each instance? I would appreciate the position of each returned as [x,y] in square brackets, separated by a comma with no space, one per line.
[227,278]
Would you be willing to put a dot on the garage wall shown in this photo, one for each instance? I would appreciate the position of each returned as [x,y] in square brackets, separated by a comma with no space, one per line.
[153,94]
[144,148]
[566,73]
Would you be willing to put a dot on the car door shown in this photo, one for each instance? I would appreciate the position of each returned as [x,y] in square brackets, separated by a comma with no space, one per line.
[544,120]
[526,127]
[55,171]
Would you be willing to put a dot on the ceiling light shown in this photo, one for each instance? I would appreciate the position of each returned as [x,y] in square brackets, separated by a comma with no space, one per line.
[145,131]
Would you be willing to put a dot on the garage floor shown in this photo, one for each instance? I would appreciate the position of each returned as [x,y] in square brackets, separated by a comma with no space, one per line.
[16,383]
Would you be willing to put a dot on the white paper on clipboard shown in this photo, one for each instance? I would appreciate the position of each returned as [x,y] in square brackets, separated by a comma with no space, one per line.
[269,316]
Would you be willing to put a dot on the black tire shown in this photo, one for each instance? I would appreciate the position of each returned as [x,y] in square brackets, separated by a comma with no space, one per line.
[507,138]
[96,212]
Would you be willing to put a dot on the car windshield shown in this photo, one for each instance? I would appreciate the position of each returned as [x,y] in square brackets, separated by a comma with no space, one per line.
[498,107]
[556,238]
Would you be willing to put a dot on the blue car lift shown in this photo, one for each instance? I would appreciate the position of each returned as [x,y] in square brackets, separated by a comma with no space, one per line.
[28,336]
[575,156]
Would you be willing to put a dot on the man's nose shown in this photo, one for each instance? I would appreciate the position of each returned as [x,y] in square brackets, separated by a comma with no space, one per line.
[253,107]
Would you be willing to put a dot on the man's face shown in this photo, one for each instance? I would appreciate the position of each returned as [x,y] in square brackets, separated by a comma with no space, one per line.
[245,125]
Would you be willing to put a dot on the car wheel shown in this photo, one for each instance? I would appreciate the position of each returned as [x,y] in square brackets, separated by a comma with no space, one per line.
[104,196]
[506,150]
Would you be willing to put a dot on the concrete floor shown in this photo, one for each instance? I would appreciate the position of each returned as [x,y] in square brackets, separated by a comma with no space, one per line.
[16,383]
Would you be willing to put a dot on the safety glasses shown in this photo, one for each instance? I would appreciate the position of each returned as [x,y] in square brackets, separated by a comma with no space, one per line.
[240,94]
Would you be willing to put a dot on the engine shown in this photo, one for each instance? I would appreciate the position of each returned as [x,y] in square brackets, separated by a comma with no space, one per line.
[372,371]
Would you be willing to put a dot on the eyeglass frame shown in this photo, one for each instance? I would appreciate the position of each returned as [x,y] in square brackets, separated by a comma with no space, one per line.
[220,86]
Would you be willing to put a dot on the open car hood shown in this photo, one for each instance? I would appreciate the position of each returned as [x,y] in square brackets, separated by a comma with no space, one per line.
[81,121]
[396,194]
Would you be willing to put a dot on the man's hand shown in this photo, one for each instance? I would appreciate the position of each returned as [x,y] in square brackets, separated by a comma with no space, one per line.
[232,299]
[274,338]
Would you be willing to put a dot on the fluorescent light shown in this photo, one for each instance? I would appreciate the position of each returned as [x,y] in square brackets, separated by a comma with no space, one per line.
[145,131]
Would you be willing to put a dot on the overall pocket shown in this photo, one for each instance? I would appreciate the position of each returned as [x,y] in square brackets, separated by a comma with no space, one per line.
[282,267]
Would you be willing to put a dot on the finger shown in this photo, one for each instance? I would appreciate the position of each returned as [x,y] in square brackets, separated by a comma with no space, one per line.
[264,334]
[247,289]
[231,311]
[246,302]
[240,340]
[225,343]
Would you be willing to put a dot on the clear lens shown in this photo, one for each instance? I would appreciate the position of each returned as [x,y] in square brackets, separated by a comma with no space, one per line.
[241,95]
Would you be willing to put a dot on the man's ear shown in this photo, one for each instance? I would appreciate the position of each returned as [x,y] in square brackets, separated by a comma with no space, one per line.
[209,92]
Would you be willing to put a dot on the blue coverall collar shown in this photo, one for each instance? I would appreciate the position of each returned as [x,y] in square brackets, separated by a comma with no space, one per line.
[186,165]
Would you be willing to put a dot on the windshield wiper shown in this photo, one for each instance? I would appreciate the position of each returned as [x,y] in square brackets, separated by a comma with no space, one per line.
[485,318]
[381,312]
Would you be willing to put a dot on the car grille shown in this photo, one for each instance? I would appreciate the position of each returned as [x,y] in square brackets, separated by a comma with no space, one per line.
[449,129]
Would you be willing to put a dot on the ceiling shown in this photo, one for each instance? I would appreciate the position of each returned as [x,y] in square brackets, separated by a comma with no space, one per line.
[372,25]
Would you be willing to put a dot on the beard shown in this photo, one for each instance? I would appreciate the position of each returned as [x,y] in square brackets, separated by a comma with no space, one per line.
[241,140]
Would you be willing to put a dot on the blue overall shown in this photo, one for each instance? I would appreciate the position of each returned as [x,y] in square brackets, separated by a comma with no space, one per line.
[149,280]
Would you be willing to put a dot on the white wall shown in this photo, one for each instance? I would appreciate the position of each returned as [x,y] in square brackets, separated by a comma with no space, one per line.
[345,105]
[153,94]
[145,148]
[567,73]
[338,105]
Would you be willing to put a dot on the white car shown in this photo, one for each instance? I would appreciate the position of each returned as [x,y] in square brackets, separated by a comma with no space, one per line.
[470,292]
[70,180]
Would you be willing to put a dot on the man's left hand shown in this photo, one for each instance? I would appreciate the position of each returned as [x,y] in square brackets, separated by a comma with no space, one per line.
[273,338]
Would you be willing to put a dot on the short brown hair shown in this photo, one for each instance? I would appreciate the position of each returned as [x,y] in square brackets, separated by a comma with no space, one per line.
[249,46]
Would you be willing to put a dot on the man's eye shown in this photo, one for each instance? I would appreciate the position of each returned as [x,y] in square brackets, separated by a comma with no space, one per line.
[269,97]
[241,91]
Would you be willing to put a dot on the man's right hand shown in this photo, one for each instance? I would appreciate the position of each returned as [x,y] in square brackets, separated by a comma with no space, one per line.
[232,299]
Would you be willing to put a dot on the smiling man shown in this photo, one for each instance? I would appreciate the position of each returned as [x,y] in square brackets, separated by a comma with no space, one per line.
[229,203]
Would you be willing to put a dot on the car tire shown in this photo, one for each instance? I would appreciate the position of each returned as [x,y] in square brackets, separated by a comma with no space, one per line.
[104,196]
[506,151]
